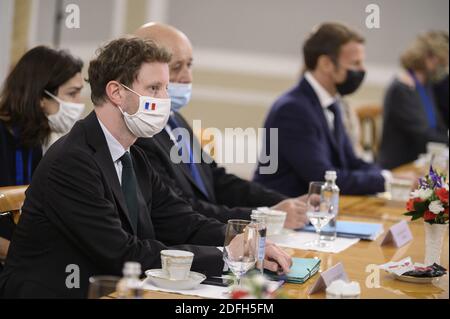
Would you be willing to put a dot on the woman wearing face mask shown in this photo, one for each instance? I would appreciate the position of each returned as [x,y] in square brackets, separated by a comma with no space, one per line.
[40,102]
[411,118]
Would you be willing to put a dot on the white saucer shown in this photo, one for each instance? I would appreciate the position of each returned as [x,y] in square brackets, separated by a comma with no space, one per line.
[160,279]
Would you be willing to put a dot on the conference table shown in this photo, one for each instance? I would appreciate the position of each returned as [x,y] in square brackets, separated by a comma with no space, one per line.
[358,260]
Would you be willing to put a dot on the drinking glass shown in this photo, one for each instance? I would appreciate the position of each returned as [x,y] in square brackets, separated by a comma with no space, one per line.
[240,251]
[319,211]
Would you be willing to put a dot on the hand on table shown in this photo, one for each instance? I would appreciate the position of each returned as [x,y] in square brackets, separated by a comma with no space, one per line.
[295,209]
[276,259]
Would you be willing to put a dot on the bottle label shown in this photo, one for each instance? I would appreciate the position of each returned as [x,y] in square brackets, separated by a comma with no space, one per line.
[261,248]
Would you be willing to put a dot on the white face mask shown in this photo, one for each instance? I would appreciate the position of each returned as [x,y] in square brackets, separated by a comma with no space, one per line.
[150,118]
[68,113]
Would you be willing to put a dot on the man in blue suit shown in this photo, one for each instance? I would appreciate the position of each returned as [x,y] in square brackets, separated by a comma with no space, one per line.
[311,135]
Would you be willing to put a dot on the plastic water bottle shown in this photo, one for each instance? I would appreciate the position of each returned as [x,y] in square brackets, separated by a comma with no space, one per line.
[330,192]
[130,286]
[258,221]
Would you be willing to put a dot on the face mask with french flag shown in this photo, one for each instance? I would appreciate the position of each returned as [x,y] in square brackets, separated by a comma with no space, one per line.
[150,118]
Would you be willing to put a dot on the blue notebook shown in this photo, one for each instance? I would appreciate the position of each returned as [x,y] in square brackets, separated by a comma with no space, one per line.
[302,269]
[367,231]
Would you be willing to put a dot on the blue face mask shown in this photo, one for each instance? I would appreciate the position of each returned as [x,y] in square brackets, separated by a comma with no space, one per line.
[180,95]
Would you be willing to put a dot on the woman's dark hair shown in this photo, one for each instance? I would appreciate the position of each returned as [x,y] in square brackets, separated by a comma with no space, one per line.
[41,68]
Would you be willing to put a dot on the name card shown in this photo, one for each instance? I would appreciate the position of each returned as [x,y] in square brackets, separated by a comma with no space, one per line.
[399,234]
[327,277]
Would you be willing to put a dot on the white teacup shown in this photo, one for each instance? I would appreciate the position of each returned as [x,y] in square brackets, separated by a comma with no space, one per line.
[176,264]
[274,219]
[400,189]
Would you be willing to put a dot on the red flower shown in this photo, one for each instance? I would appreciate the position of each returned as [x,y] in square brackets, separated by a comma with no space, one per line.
[411,202]
[446,211]
[442,193]
[429,215]
[238,294]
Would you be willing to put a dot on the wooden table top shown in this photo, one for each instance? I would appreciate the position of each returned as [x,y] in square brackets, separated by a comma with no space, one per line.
[358,257]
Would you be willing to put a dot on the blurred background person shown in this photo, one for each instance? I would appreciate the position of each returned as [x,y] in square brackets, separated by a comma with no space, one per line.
[40,102]
[441,89]
[311,133]
[411,117]
[352,127]
[442,99]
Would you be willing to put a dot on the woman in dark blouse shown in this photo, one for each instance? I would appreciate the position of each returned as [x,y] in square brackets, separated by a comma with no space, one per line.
[411,118]
[40,101]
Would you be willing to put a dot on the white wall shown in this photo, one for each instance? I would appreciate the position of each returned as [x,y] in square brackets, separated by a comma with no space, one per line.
[7,13]
[279,27]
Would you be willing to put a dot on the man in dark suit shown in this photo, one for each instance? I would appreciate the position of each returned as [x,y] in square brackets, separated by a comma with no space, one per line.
[95,202]
[207,186]
[441,92]
[311,134]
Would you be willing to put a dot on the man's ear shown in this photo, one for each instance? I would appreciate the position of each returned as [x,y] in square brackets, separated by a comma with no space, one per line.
[325,64]
[115,93]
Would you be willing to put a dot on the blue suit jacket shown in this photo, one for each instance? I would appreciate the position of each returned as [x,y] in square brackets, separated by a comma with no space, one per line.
[307,148]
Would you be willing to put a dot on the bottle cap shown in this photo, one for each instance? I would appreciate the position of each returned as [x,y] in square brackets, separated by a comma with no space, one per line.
[330,175]
[132,268]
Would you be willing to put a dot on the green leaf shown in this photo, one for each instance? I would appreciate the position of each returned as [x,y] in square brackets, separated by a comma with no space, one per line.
[412,213]
[421,206]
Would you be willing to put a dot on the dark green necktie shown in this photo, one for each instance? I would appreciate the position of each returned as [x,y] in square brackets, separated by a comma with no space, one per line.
[129,188]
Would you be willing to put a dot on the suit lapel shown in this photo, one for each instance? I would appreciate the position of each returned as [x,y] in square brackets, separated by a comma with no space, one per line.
[318,109]
[104,160]
[164,141]
[200,166]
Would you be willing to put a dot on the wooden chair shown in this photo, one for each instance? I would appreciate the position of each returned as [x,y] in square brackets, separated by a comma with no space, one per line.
[369,119]
[11,201]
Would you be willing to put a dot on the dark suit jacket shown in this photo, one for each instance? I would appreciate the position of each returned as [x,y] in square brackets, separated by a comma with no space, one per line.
[307,148]
[8,147]
[229,197]
[406,130]
[75,214]
[441,91]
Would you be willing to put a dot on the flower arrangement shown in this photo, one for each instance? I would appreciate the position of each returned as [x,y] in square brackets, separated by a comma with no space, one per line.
[430,200]
[254,285]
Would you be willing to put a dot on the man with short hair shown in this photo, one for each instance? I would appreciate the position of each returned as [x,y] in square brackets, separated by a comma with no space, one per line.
[208,187]
[312,138]
[96,203]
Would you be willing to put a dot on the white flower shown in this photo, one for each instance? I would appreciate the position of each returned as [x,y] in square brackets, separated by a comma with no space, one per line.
[446,187]
[425,193]
[436,207]
[415,193]
[421,193]
[259,280]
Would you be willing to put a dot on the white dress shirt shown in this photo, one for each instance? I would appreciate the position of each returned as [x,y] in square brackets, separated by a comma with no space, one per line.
[115,148]
[325,98]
